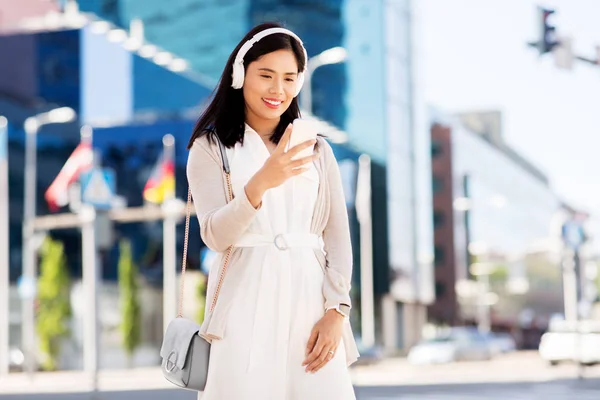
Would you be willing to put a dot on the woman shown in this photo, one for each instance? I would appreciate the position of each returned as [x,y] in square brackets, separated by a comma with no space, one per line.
[277,318]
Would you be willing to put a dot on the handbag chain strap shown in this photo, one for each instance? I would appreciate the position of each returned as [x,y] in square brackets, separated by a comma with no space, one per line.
[227,255]
[186,240]
[185,249]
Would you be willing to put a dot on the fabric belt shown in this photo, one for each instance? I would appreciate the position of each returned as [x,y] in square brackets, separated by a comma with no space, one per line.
[282,241]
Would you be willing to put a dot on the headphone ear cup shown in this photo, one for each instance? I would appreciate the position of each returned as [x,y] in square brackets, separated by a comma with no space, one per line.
[237,75]
[299,82]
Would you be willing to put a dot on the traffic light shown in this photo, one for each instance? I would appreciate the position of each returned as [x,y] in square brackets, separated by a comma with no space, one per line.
[547,31]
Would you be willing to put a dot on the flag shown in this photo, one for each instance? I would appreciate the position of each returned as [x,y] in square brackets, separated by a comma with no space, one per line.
[161,184]
[79,161]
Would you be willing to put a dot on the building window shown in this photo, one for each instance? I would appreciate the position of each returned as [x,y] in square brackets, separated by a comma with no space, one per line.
[438,218]
[438,255]
[436,149]
[440,289]
[437,184]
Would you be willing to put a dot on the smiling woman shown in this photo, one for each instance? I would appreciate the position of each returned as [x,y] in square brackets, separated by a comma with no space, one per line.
[278,299]
[270,73]
[269,88]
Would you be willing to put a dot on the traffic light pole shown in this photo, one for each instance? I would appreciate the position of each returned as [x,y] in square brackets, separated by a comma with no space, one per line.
[586,60]
[550,42]
[91,277]
[172,208]
[571,263]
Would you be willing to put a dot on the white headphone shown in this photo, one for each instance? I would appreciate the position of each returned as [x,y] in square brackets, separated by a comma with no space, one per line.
[238,64]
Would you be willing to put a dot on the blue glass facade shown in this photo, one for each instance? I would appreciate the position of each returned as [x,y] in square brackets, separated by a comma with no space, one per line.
[107,87]
[204,32]
[391,127]
[370,96]
[98,78]
[366,91]
[58,69]
[101,81]
[514,221]
[321,26]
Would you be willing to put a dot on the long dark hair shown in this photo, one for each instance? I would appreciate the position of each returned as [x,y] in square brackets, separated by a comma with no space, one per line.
[226,113]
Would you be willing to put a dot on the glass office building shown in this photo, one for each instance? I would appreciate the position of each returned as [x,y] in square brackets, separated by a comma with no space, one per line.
[386,119]
[67,67]
[373,96]
[205,32]
[514,218]
[502,213]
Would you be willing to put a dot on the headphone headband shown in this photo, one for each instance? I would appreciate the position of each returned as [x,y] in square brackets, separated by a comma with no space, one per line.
[246,46]
[238,64]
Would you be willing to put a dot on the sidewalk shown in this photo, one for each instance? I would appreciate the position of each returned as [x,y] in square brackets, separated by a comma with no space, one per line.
[517,367]
[77,381]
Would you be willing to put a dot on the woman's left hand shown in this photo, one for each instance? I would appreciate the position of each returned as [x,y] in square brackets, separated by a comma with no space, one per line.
[324,340]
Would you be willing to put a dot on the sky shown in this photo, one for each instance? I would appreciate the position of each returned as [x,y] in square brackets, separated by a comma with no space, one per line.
[475,57]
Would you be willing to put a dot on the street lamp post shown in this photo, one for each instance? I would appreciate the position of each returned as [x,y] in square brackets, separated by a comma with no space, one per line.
[335,55]
[4,249]
[172,207]
[32,126]
[480,270]
[365,220]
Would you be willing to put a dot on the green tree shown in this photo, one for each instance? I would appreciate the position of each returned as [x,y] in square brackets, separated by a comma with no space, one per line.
[499,275]
[130,305]
[54,306]
[201,297]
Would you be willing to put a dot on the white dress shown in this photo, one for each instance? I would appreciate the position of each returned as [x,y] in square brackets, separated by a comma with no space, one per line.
[271,317]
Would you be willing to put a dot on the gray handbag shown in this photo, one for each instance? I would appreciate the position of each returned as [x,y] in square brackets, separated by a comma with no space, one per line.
[185,355]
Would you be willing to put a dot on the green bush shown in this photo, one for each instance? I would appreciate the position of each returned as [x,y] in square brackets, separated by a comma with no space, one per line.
[129,302]
[201,297]
[54,306]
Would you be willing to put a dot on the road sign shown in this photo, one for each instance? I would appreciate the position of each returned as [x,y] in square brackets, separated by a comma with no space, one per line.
[573,234]
[98,187]
[26,287]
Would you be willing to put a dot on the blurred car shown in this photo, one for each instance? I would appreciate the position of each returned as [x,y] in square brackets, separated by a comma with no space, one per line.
[457,344]
[501,343]
[562,343]
[15,359]
[368,355]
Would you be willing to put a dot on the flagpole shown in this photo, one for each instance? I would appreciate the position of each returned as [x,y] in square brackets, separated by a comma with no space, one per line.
[4,250]
[170,206]
[86,135]
[90,278]
[28,282]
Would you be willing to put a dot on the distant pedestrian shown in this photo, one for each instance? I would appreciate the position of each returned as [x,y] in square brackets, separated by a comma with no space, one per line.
[277,305]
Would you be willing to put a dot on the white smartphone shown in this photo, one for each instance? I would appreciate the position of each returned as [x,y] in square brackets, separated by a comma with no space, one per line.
[302,131]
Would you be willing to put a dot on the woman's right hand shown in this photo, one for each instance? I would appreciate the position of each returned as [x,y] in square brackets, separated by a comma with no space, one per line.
[279,167]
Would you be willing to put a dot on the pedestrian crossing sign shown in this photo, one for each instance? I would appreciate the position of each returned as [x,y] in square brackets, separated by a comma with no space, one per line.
[98,187]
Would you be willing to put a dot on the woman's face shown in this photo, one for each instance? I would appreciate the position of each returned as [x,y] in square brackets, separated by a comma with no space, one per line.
[270,85]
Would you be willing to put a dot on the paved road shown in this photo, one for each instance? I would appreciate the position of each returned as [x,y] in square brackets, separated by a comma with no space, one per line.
[158,394]
[519,376]
[557,390]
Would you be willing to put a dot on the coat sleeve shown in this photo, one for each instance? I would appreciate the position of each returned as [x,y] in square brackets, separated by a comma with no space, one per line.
[336,237]
[221,223]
